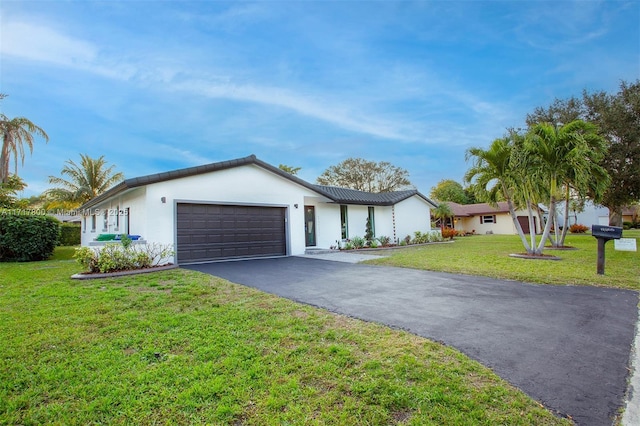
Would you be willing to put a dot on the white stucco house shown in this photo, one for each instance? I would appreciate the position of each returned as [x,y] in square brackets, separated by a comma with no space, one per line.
[247,208]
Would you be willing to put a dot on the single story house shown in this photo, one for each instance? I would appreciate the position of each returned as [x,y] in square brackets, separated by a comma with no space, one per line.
[246,208]
[483,218]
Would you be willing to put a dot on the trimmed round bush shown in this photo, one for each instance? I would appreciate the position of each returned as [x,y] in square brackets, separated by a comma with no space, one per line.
[25,238]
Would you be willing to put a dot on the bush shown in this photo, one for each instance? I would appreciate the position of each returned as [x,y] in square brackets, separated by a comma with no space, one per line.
[69,234]
[358,242]
[115,257]
[578,228]
[384,240]
[25,238]
[373,243]
[627,225]
[448,233]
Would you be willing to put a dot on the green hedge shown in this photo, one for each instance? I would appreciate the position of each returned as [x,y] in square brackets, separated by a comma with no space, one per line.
[25,238]
[69,234]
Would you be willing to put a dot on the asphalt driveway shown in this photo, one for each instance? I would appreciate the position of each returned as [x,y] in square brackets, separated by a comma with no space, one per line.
[566,346]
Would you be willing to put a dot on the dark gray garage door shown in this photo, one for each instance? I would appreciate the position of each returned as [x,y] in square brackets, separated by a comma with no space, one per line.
[215,232]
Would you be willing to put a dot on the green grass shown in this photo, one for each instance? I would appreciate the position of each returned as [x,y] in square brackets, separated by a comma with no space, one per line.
[180,347]
[488,255]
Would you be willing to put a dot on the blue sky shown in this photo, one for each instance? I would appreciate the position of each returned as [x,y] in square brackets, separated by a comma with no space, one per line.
[155,86]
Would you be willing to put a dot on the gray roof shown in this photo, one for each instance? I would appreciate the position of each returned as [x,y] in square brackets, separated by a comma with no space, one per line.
[335,194]
[351,196]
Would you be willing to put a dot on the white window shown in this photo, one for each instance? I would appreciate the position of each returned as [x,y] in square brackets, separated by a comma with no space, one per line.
[488,218]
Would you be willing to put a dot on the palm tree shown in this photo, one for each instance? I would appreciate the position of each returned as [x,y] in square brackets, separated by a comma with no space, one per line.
[86,181]
[562,158]
[16,133]
[442,212]
[493,177]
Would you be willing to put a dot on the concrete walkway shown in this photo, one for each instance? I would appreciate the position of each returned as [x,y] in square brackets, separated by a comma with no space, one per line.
[566,346]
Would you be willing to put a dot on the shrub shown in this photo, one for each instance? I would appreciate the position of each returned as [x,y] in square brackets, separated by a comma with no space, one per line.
[435,236]
[26,238]
[420,238]
[384,240]
[358,242]
[368,231]
[69,234]
[407,240]
[121,257]
[448,233]
[627,225]
[373,243]
[578,228]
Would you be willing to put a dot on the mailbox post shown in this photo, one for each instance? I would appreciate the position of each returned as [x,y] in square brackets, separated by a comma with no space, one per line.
[603,234]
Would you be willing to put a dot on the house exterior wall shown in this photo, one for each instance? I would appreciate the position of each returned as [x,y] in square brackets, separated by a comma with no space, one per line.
[134,201]
[327,223]
[411,215]
[591,215]
[503,225]
[155,221]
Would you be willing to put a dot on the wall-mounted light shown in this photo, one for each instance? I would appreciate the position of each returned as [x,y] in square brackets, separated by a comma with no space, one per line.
[295,205]
[163,199]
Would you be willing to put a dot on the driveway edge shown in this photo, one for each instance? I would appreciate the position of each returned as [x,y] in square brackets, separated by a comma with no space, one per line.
[631,414]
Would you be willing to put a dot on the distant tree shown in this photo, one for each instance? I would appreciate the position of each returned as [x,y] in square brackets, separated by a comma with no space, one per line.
[16,133]
[618,119]
[559,113]
[85,181]
[291,170]
[9,192]
[363,175]
[449,190]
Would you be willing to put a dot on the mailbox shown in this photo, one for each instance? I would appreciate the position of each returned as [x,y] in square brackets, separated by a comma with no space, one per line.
[606,232]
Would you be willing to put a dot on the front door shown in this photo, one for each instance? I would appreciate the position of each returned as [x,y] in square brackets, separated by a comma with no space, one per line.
[310,225]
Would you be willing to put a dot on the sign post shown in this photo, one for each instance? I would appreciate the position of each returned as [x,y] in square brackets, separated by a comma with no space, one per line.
[603,234]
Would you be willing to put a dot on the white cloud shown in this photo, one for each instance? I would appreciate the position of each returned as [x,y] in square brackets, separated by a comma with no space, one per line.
[40,43]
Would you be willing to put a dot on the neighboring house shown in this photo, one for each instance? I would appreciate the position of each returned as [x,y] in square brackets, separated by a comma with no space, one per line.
[247,208]
[631,214]
[591,214]
[484,218]
[68,218]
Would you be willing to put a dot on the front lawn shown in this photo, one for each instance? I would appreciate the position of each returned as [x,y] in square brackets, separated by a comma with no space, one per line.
[488,255]
[180,347]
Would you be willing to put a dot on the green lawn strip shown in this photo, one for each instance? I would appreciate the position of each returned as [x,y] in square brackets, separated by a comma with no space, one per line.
[182,347]
[488,255]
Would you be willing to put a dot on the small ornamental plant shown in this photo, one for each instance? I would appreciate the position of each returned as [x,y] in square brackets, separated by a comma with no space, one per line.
[448,233]
[578,229]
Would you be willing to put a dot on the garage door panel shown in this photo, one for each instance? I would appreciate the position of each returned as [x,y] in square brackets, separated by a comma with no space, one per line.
[213,232]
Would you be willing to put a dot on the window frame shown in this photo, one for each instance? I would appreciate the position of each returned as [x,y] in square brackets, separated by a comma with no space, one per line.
[492,217]
[344,222]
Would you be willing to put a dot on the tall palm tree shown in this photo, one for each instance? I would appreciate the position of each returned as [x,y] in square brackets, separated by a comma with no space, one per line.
[562,158]
[85,181]
[494,178]
[16,133]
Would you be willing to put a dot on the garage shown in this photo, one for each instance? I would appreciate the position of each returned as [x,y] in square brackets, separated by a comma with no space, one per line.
[208,232]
